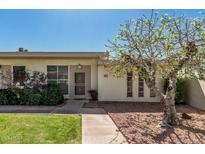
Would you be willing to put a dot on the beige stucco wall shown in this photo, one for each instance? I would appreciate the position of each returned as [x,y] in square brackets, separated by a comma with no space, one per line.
[115,89]
[195,95]
[41,65]
[109,89]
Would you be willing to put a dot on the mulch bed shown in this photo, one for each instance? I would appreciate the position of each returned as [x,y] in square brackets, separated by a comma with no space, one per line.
[138,122]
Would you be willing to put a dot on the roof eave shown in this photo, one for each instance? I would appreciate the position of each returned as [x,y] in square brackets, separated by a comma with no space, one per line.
[51,54]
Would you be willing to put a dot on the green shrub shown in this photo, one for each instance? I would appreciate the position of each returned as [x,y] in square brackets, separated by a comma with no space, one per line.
[52,95]
[93,94]
[36,99]
[7,97]
[29,96]
[180,90]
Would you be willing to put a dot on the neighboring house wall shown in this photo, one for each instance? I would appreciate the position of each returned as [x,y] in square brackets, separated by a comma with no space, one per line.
[115,89]
[196,94]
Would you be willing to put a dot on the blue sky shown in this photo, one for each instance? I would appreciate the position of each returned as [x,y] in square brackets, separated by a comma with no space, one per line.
[65,30]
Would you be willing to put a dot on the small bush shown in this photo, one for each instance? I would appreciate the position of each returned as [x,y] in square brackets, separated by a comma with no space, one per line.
[34,91]
[29,96]
[52,95]
[7,97]
[180,90]
[93,94]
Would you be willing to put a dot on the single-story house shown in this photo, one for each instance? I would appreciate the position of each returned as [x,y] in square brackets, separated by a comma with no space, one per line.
[78,72]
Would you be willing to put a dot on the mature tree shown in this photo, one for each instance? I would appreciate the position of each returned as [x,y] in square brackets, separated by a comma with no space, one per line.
[22,50]
[169,46]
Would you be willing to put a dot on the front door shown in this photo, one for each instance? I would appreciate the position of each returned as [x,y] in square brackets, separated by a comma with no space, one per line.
[79,83]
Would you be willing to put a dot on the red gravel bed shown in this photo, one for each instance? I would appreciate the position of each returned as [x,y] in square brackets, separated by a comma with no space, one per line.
[138,123]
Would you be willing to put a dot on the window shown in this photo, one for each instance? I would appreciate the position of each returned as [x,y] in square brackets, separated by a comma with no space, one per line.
[52,73]
[140,87]
[152,92]
[19,74]
[58,75]
[129,84]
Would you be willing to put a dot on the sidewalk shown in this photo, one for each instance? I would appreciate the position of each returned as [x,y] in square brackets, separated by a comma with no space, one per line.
[69,107]
[98,128]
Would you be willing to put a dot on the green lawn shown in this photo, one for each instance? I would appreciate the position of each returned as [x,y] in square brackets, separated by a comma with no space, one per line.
[40,128]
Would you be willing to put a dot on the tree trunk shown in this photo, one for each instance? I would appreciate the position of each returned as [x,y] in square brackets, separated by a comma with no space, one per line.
[170,116]
[168,100]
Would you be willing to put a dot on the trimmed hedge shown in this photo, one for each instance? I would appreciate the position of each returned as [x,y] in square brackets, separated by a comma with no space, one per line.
[8,97]
[28,96]
[50,95]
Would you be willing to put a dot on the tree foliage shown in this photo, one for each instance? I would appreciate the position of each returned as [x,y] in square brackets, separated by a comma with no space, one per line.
[22,50]
[160,44]
[170,46]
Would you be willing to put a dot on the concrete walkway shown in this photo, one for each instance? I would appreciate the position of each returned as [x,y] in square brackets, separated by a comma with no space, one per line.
[69,107]
[98,128]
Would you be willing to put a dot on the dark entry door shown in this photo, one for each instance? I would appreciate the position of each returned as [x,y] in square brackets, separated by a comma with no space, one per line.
[79,83]
[19,74]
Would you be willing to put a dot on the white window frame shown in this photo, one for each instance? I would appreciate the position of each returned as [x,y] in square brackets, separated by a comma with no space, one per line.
[152,92]
[141,80]
[68,80]
[128,86]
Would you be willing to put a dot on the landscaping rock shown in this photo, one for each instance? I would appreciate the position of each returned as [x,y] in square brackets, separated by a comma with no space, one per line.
[163,125]
[185,116]
[137,122]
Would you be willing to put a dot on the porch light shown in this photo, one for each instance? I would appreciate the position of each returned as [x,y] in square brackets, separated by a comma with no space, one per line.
[80,66]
